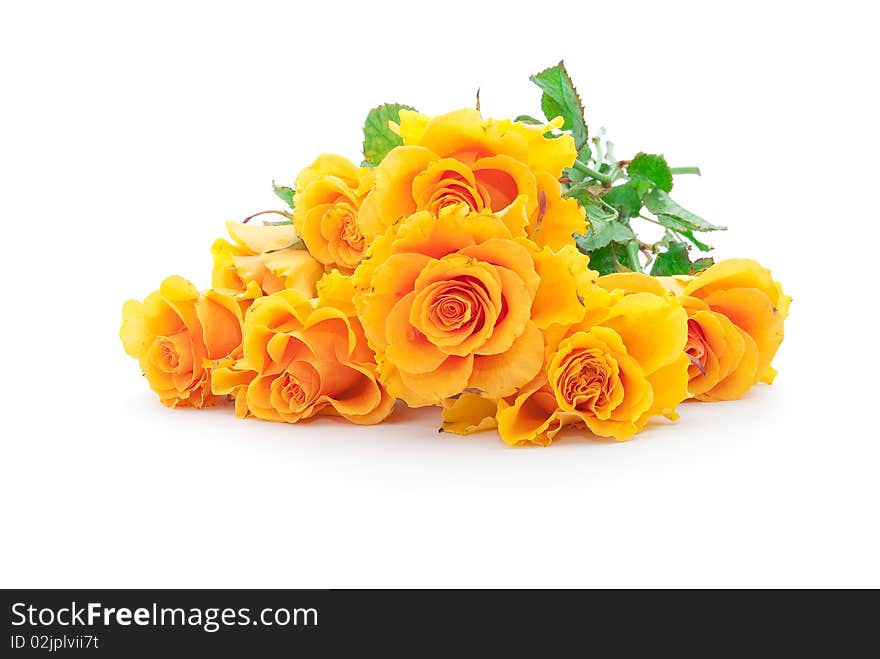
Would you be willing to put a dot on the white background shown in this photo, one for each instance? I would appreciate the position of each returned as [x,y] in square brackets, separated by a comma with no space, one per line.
[130,133]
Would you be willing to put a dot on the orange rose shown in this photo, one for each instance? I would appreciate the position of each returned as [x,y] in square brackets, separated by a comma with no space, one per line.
[487,165]
[176,334]
[724,358]
[455,303]
[300,360]
[326,208]
[265,255]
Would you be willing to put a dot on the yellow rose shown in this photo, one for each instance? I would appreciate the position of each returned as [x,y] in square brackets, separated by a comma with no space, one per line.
[625,365]
[266,256]
[487,165]
[326,208]
[301,359]
[177,334]
[455,304]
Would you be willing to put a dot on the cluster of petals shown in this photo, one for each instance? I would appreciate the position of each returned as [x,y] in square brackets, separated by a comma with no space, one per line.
[447,276]
[302,358]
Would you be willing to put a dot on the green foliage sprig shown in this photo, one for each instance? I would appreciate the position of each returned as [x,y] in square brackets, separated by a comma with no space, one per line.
[616,192]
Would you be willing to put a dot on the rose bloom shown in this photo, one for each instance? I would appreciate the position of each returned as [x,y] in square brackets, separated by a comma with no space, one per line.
[265,255]
[177,333]
[303,358]
[456,304]
[326,209]
[487,165]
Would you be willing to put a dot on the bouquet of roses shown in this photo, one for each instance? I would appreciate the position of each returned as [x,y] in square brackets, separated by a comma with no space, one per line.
[491,268]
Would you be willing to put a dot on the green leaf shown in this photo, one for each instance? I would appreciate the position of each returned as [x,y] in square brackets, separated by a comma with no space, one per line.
[601,232]
[284,193]
[626,198]
[675,261]
[672,222]
[604,260]
[527,119]
[659,203]
[696,243]
[560,98]
[653,168]
[552,109]
[379,139]
[702,264]
[683,229]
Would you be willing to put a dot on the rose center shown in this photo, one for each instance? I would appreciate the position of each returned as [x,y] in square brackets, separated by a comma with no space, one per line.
[342,233]
[351,233]
[452,310]
[456,307]
[587,380]
[695,348]
[296,390]
[171,354]
[453,189]
[293,392]
[168,355]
